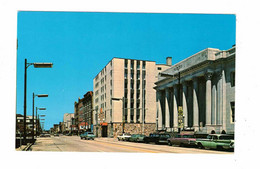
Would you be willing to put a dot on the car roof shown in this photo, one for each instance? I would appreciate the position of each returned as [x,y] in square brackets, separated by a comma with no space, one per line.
[220,135]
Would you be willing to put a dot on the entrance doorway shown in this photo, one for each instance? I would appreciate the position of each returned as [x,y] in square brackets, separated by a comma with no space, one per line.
[104,131]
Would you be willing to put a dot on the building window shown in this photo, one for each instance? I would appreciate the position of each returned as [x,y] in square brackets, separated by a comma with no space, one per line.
[138,85]
[137,95]
[126,63]
[159,68]
[132,75]
[126,74]
[232,105]
[132,64]
[138,65]
[144,64]
[132,118]
[126,84]
[138,76]
[132,85]
[232,78]
[138,118]
[132,95]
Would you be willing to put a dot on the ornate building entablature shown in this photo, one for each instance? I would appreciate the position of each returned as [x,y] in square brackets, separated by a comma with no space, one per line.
[195,66]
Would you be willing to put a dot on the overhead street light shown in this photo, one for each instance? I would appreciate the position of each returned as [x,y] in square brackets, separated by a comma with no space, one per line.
[42,65]
[26,65]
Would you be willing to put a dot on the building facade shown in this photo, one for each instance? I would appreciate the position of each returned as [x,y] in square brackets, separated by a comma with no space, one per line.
[124,98]
[68,120]
[83,113]
[198,93]
[29,124]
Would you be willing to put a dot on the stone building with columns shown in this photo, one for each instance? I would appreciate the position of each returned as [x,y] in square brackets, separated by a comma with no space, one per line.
[198,93]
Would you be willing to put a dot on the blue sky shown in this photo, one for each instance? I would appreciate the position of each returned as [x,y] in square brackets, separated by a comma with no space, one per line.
[80,44]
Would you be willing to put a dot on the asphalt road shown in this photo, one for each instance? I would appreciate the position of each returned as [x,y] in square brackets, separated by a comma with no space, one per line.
[75,144]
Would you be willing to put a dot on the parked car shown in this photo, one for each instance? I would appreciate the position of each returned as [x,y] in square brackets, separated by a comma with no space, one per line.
[157,138]
[163,139]
[124,137]
[137,138]
[182,140]
[87,136]
[153,137]
[56,134]
[45,135]
[217,141]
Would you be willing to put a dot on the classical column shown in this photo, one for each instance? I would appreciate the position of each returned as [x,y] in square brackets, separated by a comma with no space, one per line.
[175,108]
[214,104]
[167,109]
[224,110]
[220,98]
[184,104]
[208,98]
[195,104]
[159,109]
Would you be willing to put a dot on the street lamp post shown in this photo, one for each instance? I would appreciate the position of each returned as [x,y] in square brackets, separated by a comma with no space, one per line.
[42,115]
[26,65]
[39,95]
[37,124]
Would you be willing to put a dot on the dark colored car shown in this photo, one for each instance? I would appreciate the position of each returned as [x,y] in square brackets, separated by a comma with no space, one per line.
[157,138]
[153,137]
[182,140]
[163,139]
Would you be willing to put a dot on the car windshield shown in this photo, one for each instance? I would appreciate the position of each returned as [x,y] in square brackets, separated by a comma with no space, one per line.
[165,136]
[209,137]
[188,136]
[226,137]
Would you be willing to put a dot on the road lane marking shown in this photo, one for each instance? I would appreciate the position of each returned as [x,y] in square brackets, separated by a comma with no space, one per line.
[130,147]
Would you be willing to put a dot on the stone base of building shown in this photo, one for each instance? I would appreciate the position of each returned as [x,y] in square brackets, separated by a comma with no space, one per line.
[115,129]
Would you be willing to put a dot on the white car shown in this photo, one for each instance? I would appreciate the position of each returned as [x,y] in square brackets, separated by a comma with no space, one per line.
[124,137]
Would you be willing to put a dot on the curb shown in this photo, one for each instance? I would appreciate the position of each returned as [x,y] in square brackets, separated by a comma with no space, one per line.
[28,146]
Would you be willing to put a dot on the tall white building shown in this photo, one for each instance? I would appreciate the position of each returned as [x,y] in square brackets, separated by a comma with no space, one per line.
[130,83]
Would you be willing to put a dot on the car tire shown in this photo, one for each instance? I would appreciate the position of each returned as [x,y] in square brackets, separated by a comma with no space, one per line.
[200,146]
[219,148]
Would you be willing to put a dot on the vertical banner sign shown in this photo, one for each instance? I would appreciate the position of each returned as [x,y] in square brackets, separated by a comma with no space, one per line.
[180,117]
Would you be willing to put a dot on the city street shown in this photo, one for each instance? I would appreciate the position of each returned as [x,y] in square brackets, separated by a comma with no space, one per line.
[75,144]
